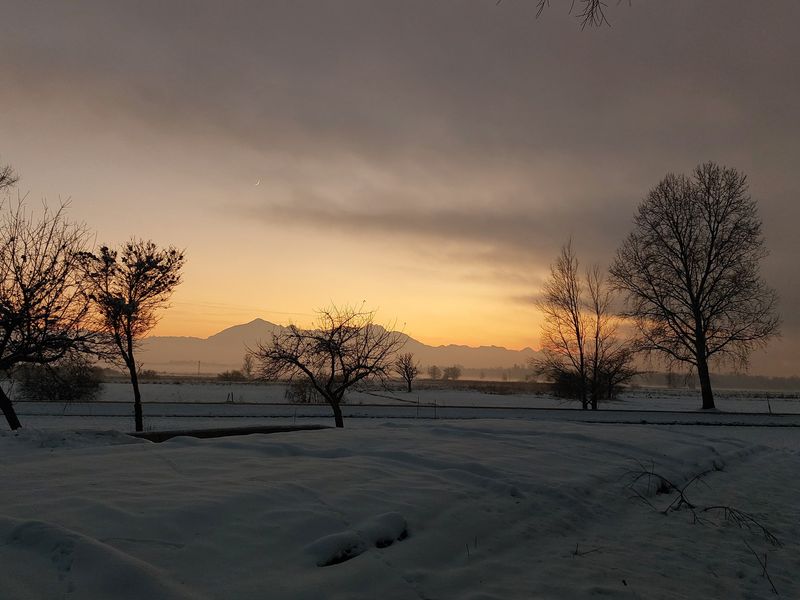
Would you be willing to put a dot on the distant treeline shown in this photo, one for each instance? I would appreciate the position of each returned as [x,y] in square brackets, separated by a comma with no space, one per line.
[740,381]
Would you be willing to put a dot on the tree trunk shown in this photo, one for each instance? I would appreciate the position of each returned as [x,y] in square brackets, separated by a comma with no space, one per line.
[8,410]
[408,381]
[337,413]
[584,393]
[705,383]
[137,399]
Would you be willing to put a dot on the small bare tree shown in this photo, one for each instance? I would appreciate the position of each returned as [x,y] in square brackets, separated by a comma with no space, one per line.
[564,327]
[407,368]
[691,272]
[434,372]
[453,372]
[343,348]
[582,352]
[43,306]
[128,287]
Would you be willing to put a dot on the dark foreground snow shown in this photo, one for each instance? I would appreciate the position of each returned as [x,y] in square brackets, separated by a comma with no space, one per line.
[470,510]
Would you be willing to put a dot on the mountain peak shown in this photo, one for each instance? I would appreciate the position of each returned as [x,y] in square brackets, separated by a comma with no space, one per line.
[255,328]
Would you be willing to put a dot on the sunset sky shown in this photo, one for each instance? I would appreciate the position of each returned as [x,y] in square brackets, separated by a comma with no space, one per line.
[425,157]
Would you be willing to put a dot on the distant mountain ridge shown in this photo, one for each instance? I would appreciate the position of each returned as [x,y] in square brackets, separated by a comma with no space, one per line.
[225,350]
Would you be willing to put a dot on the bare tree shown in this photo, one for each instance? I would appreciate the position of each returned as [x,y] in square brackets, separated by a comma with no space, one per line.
[43,306]
[453,372]
[691,272]
[583,353]
[610,357]
[407,368]
[564,327]
[343,348]
[128,288]
[434,372]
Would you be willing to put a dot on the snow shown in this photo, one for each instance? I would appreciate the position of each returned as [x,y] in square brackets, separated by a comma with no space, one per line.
[379,531]
[211,405]
[475,509]
[243,394]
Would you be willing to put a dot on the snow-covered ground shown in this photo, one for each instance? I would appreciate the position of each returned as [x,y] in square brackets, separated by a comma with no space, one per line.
[469,509]
[272,393]
[195,405]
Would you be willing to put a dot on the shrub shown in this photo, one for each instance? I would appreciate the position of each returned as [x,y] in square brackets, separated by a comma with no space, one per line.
[72,379]
[453,372]
[302,392]
[234,375]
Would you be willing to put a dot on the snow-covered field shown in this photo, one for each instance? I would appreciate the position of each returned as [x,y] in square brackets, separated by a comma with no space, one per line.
[194,405]
[469,509]
[271,393]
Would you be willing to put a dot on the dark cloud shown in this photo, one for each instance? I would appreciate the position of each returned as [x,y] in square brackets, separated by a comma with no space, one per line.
[472,124]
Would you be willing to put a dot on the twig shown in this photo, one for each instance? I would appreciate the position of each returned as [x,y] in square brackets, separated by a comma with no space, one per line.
[745,520]
[577,551]
[742,519]
[763,563]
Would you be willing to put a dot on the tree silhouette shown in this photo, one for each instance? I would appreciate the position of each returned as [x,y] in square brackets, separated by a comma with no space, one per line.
[691,272]
[128,287]
[407,368]
[453,372]
[582,352]
[343,348]
[43,307]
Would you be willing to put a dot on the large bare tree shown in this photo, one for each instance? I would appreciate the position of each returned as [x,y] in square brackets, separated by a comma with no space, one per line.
[690,268]
[582,351]
[128,288]
[43,306]
[342,348]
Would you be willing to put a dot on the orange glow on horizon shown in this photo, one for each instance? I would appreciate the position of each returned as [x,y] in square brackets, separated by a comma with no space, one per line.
[181,322]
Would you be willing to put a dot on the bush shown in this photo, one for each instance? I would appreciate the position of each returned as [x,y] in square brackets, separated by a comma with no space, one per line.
[234,375]
[72,379]
[302,392]
[148,374]
[566,384]
[453,372]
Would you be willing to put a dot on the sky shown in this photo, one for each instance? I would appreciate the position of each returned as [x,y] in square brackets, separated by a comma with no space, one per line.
[424,158]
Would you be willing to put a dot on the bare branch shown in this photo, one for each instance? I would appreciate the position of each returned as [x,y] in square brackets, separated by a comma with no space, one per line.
[8,178]
[590,13]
